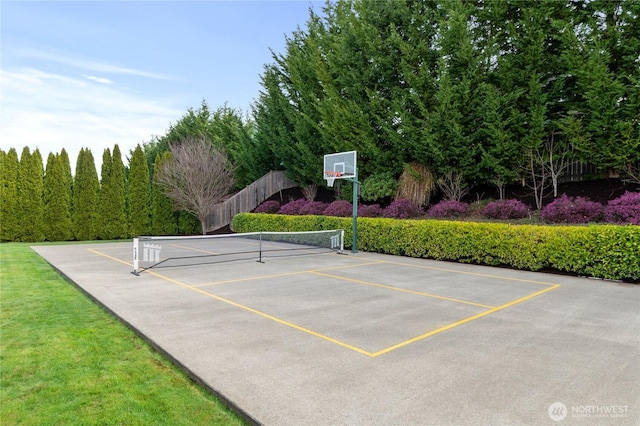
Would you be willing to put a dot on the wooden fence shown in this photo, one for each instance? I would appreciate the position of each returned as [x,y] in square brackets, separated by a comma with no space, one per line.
[248,199]
[578,171]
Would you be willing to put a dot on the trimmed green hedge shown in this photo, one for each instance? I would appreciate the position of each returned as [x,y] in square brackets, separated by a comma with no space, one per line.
[602,251]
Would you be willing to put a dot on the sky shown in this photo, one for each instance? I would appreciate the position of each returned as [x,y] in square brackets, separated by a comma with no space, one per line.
[92,74]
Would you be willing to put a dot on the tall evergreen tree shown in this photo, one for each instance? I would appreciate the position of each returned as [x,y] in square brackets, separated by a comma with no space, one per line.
[233,135]
[139,194]
[57,202]
[605,60]
[103,213]
[30,191]
[66,172]
[119,177]
[163,218]
[274,124]
[85,197]
[112,204]
[9,224]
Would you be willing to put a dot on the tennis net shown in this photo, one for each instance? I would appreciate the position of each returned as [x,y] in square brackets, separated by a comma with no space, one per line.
[162,252]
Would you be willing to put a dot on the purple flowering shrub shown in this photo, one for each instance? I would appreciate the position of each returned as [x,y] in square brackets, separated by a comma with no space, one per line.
[339,208]
[401,209]
[369,210]
[624,209]
[505,209]
[448,208]
[270,206]
[313,207]
[572,210]
[293,207]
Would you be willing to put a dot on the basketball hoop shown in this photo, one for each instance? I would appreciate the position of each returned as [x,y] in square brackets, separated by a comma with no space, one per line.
[343,165]
[330,177]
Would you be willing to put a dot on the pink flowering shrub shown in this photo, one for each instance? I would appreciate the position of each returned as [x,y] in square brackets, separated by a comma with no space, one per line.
[505,209]
[402,209]
[341,208]
[448,208]
[270,206]
[369,210]
[624,209]
[572,210]
[313,207]
[293,207]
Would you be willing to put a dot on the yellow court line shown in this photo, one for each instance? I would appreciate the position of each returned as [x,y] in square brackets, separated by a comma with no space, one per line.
[404,290]
[341,343]
[238,280]
[468,273]
[265,315]
[284,274]
[464,321]
[357,265]
[110,257]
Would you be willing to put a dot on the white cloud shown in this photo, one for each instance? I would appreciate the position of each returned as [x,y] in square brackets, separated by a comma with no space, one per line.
[86,63]
[51,111]
[100,80]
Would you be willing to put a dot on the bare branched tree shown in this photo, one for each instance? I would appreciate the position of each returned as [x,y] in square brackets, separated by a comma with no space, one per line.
[558,159]
[198,177]
[545,166]
[452,186]
[538,178]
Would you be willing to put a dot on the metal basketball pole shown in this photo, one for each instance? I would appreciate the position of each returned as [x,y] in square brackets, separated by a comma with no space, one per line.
[354,237]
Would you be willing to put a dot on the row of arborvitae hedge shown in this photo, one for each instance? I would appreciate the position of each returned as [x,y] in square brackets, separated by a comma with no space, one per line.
[602,251]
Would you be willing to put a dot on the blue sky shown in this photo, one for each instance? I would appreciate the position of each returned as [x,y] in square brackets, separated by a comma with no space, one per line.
[92,74]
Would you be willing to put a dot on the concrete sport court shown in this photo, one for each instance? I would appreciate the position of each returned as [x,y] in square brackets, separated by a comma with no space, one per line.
[369,339]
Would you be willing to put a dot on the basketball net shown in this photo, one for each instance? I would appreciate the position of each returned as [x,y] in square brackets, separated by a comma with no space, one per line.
[331,177]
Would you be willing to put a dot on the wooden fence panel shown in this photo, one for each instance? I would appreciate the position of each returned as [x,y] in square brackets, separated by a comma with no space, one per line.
[578,171]
[248,199]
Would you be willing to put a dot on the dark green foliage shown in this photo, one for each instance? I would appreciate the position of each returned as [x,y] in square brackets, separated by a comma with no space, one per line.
[112,214]
[378,186]
[163,218]
[9,224]
[188,224]
[104,206]
[66,170]
[604,56]
[30,191]
[139,194]
[471,89]
[226,129]
[57,200]
[603,251]
[119,198]
[85,197]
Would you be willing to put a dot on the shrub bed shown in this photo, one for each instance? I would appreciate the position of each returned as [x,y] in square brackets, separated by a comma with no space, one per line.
[448,209]
[339,208]
[572,210]
[270,206]
[602,251]
[370,210]
[293,207]
[624,209]
[505,209]
[402,209]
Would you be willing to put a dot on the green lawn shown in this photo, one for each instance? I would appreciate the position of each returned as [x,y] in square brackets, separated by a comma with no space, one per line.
[64,360]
